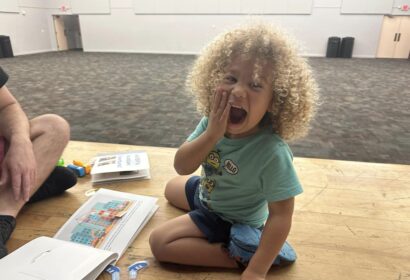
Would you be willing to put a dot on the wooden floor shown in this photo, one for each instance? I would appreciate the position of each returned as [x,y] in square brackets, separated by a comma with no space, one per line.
[351,222]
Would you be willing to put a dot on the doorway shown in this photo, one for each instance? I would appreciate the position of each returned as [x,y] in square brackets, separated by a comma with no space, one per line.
[395,37]
[68,33]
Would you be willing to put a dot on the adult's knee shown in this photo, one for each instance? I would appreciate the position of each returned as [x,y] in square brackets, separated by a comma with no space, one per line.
[56,127]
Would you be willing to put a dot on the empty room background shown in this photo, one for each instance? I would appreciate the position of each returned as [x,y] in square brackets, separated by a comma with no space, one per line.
[184,26]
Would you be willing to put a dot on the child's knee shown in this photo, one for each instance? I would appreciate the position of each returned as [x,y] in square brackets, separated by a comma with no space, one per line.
[157,243]
[174,189]
[169,190]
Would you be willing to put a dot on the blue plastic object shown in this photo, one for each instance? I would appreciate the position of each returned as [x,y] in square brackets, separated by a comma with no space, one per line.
[135,267]
[78,170]
[114,271]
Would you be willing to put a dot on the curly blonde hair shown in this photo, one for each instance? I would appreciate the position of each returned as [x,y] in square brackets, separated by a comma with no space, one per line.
[294,90]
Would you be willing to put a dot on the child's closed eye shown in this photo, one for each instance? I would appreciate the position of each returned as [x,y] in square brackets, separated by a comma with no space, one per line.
[229,79]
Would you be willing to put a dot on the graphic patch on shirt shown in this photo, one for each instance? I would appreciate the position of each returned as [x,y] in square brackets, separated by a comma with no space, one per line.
[212,165]
[231,167]
[208,184]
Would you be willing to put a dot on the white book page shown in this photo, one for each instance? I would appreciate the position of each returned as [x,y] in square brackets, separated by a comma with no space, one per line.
[109,220]
[120,162]
[114,176]
[47,258]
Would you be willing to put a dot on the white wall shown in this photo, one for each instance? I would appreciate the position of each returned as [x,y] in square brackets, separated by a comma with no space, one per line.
[31,28]
[327,22]
[124,31]
[29,33]
[397,7]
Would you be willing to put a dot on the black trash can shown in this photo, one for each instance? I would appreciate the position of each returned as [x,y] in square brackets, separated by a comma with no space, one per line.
[333,47]
[5,46]
[347,47]
[1,52]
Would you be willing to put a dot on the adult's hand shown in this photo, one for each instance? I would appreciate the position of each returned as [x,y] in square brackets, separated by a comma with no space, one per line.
[19,167]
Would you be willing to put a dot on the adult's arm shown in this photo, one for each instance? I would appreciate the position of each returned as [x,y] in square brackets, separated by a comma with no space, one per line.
[18,168]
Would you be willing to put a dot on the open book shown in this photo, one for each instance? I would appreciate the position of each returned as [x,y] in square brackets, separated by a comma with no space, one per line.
[120,166]
[96,235]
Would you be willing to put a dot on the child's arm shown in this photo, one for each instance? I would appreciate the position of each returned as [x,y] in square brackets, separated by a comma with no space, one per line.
[191,154]
[274,235]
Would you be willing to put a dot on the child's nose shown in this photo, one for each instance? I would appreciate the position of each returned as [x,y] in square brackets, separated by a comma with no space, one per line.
[238,91]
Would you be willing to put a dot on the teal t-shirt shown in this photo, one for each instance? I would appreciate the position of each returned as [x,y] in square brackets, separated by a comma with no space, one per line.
[239,176]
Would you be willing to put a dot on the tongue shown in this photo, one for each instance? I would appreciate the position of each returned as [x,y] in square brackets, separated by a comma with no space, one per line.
[236,115]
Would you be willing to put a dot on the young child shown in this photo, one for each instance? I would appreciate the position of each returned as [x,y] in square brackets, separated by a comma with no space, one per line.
[254,92]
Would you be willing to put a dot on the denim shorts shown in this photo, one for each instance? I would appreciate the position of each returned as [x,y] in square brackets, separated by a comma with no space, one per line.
[240,241]
[210,224]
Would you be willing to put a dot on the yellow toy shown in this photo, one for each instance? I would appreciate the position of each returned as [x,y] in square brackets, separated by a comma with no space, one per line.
[87,167]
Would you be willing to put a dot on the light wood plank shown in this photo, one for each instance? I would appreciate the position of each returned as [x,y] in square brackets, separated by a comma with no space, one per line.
[352,222]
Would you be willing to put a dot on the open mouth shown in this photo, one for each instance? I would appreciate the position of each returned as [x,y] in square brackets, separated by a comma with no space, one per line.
[237,115]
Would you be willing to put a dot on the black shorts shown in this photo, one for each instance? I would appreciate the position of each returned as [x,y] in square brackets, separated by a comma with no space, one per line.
[212,226]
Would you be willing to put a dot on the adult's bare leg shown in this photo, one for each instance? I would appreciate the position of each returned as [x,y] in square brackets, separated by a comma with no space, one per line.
[49,135]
